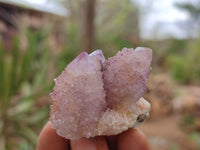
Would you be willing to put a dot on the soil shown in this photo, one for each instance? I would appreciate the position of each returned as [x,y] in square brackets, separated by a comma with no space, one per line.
[164,133]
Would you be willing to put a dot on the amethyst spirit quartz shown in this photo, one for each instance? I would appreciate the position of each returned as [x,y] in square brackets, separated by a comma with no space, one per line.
[94,96]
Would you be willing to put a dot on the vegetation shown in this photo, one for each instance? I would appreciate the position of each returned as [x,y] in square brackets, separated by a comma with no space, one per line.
[26,75]
[195,136]
[23,76]
[184,65]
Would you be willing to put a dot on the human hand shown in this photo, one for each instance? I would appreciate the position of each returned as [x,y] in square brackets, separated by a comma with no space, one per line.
[131,139]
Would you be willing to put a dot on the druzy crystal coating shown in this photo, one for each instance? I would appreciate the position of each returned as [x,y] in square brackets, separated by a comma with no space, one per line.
[94,96]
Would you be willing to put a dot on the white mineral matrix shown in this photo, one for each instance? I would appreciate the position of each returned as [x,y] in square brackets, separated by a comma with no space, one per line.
[94,96]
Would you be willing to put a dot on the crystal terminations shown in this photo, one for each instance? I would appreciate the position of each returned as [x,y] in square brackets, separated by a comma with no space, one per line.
[94,96]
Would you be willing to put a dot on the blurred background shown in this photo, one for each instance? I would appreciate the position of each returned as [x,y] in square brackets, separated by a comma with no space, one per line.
[39,38]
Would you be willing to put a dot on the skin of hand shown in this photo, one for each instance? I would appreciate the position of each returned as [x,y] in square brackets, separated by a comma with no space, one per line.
[131,139]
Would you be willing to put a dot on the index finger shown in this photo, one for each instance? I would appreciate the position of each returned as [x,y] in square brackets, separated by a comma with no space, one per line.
[49,140]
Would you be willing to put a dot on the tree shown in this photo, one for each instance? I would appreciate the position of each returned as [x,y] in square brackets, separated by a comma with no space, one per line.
[87,28]
[193,23]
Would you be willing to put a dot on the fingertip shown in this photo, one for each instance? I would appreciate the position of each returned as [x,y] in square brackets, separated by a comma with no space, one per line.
[132,139]
[82,144]
[49,140]
[97,143]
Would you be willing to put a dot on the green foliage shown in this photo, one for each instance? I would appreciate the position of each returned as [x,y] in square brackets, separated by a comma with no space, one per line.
[173,147]
[70,49]
[192,9]
[179,69]
[187,121]
[23,80]
[194,136]
[185,66]
[113,35]
[177,47]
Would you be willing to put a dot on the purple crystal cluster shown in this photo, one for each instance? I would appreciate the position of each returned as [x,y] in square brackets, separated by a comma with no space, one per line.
[94,96]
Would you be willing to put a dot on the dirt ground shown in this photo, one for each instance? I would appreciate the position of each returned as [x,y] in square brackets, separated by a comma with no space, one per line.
[164,133]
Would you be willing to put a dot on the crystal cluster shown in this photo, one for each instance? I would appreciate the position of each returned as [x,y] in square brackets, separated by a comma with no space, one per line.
[94,96]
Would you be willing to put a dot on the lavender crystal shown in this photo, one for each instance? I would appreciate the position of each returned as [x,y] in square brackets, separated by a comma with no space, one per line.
[94,96]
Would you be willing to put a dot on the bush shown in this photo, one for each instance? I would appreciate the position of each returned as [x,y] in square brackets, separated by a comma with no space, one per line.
[23,78]
[185,67]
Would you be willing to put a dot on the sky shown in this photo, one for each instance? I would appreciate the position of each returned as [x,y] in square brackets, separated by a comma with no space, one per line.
[158,18]
[45,5]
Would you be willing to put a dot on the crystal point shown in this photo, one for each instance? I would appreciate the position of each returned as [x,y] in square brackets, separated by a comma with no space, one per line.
[94,96]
